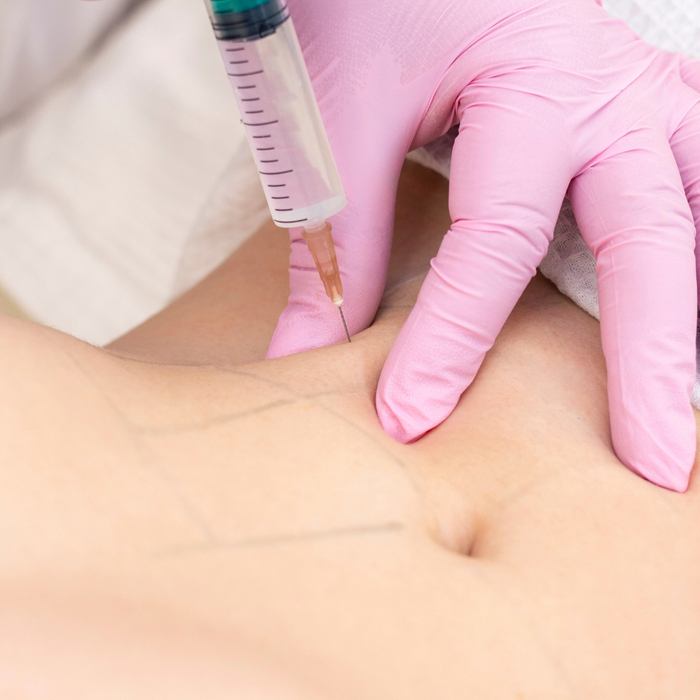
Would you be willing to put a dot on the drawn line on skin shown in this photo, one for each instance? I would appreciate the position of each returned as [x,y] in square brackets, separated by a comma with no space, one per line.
[231,369]
[281,540]
[218,420]
[173,486]
[387,452]
[542,639]
[383,448]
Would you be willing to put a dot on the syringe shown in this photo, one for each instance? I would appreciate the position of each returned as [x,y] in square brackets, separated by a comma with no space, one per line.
[283,124]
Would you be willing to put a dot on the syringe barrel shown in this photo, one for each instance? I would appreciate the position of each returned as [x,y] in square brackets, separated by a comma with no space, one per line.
[279,111]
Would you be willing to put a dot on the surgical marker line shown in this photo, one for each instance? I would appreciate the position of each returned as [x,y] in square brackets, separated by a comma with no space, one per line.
[282,539]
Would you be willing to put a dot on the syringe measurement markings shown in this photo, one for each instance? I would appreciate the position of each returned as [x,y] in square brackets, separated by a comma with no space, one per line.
[270,161]
[282,185]
[281,172]
[249,99]
[243,75]
[284,209]
[246,87]
[237,63]
[287,197]
[271,148]
[297,221]
[261,123]
[254,111]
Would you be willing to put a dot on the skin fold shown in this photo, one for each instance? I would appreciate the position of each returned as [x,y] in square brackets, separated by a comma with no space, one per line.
[180,518]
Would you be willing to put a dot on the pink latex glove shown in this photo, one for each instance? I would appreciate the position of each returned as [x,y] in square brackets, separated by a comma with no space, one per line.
[550,96]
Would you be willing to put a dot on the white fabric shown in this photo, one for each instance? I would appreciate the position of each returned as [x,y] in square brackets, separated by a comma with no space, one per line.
[103,180]
[40,39]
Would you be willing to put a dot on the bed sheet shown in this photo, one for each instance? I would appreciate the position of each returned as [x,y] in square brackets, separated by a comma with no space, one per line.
[103,180]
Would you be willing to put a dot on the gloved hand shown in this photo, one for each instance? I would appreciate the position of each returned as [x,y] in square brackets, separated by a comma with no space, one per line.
[549,96]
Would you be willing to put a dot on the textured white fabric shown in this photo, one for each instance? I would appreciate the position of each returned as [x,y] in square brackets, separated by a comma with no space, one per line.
[673,25]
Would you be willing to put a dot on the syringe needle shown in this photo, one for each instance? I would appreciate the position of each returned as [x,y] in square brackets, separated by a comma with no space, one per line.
[345,325]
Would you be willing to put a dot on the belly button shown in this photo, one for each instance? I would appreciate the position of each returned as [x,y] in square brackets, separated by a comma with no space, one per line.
[451,519]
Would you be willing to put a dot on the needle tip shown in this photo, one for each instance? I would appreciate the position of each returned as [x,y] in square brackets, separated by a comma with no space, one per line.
[345,325]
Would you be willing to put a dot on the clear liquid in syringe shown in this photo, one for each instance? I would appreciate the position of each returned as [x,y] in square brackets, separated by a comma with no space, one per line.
[284,128]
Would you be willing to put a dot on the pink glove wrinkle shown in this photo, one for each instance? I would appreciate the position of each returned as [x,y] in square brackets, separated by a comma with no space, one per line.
[549,96]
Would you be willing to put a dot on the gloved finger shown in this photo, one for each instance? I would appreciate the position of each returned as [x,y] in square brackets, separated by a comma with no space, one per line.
[369,150]
[509,174]
[362,236]
[633,214]
[685,144]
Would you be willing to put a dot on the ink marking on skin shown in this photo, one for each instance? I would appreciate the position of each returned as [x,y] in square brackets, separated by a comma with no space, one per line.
[218,420]
[324,407]
[383,448]
[171,484]
[281,540]
[532,623]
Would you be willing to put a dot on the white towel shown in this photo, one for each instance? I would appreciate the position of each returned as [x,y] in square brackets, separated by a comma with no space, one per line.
[40,39]
[103,180]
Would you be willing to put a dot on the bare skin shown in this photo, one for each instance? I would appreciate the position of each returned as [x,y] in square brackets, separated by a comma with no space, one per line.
[182,519]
